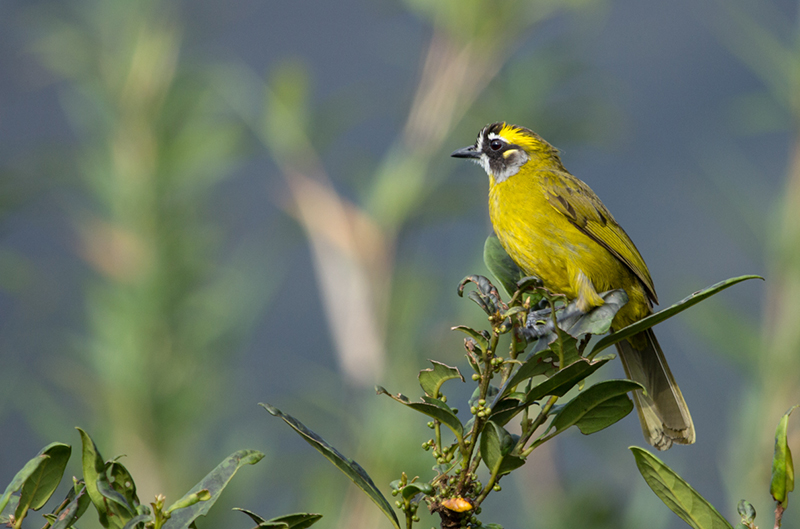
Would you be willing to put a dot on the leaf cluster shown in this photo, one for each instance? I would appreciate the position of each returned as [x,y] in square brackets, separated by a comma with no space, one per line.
[526,367]
[695,510]
[109,488]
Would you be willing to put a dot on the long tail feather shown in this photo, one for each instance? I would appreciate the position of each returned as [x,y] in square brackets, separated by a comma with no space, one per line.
[662,411]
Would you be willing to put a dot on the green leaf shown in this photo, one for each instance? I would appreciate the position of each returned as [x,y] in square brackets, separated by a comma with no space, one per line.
[37,480]
[496,446]
[135,521]
[113,509]
[297,520]
[93,471]
[678,495]
[500,264]
[782,467]
[117,503]
[77,505]
[565,379]
[122,482]
[253,516]
[351,469]
[597,407]
[215,482]
[512,311]
[432,408]
[746,511]
[598,320]
[8,511]
[41,484]
[506,408]
[412,489]
[431,380]
[658,317]
[482,342]
[288,521]
[539,364]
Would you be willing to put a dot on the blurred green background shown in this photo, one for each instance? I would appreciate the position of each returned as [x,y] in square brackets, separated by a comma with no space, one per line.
[208,204]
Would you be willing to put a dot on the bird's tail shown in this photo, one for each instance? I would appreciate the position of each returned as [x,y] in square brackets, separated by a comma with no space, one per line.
[662,411]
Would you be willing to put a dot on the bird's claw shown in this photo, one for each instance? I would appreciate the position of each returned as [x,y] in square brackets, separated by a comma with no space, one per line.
[539,322]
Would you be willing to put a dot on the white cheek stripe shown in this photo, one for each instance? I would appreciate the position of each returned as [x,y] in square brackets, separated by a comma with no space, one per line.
[512,166]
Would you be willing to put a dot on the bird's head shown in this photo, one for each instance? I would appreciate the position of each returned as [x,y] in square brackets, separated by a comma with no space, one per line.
[503,149]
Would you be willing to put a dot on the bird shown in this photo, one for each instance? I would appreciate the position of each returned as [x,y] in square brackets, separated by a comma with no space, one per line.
[554,227]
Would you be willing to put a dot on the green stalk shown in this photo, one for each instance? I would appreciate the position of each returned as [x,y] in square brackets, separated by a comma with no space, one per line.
[535,425]
[490,485]
[486,377]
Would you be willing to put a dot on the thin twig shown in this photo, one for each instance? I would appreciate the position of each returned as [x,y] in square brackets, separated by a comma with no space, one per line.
[778,515]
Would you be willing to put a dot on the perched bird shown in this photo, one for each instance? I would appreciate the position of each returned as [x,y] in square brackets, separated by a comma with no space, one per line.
[555,228]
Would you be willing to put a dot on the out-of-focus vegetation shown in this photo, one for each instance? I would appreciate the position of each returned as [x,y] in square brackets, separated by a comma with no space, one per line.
[150,320]
[165,310]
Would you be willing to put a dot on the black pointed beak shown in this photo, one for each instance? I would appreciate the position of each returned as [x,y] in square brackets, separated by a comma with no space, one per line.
[466,152]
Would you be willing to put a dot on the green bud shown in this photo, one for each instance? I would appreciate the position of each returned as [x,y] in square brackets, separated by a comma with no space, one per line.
[397,504]
[473,410]
[482,402]
[497,487]
[395,492]
[430,424]
[476,377]
[455,410]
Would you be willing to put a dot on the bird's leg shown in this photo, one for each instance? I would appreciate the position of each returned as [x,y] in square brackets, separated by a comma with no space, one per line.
[540,322]
[540,311]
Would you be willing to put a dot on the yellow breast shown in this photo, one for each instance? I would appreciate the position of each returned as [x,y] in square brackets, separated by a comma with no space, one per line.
[544,243]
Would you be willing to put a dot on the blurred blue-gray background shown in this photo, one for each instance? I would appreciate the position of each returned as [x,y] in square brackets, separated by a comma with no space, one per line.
[206,205]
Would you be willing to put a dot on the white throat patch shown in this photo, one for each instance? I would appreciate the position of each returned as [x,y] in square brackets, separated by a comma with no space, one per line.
[507,166]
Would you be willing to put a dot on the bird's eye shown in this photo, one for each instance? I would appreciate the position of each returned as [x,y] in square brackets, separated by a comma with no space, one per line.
[496,145]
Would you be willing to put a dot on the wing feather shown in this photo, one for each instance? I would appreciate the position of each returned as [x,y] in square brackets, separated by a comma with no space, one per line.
[578,203]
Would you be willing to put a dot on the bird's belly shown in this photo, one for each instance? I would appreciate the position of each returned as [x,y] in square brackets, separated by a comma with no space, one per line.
[547,245]
[544,250]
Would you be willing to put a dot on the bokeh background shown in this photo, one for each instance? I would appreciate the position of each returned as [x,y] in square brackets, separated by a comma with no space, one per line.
[205,205]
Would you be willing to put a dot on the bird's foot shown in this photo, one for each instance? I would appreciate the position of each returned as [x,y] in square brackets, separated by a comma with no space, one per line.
[540,321]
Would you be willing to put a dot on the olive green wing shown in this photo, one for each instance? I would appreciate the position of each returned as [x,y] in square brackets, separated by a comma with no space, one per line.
[576,201]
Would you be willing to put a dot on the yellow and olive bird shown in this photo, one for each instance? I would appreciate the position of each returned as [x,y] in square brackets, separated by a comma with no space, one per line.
[555,228]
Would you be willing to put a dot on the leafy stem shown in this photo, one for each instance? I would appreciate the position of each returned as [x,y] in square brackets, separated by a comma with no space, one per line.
[535,425]
[495,476]
[480,420]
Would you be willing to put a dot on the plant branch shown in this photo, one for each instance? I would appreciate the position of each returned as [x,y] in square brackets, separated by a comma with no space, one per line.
[486,377]
[536,424]
[779,509]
